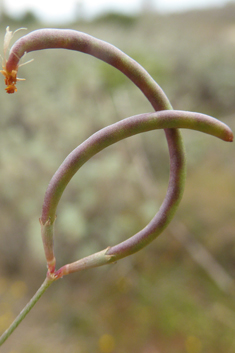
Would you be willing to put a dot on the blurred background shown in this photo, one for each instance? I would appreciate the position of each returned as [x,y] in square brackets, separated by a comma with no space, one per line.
[176,295]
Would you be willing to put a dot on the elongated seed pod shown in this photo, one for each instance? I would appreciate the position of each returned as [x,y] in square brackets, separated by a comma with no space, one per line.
[117,132]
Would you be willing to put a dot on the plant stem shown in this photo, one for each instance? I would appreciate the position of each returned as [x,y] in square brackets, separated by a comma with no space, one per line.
[48,281]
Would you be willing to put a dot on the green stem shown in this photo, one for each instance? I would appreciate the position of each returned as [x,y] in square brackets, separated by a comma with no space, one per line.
[48,281]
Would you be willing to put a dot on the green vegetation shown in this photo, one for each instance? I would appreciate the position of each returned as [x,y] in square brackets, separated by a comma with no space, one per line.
[159,300]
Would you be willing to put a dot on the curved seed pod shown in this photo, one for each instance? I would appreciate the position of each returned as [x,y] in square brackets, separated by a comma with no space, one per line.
[50,38]
[73,40]
[108,136]
[119,131]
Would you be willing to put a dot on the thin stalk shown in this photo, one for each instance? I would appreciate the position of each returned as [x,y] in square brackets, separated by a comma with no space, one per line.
[48,281]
